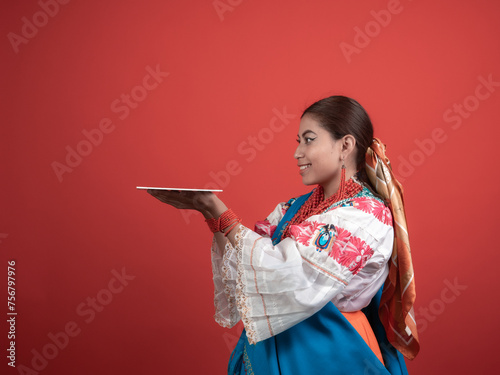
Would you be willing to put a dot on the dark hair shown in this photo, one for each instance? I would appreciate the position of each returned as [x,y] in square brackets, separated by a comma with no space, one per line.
[341,115]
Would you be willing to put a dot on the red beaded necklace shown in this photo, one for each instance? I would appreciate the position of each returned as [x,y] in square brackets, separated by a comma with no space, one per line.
[317,203]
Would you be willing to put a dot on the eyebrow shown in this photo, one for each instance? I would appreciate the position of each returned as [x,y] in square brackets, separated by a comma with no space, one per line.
[305,132]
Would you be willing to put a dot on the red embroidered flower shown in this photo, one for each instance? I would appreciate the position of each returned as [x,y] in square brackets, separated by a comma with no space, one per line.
[264,228]
[355,255]
[375,208]
[382,213]
[303,232]
[341,240]
[364,204]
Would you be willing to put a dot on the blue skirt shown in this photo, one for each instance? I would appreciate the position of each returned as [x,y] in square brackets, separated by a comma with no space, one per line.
[325,343]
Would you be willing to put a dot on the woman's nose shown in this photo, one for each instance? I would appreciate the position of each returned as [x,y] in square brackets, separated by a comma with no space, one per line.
[298,152]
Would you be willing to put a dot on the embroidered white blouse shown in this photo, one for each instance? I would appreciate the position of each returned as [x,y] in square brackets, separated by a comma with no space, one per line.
[339,255]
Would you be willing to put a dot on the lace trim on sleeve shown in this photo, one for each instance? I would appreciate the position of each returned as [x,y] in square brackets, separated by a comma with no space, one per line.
[228,279]
[226,314]
[242,302]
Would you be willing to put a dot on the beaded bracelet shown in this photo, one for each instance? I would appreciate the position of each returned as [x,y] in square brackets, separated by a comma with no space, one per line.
[233,225]
[213,224]
[226,219]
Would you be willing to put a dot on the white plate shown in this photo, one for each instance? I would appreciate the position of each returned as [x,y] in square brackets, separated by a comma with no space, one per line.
[176,189]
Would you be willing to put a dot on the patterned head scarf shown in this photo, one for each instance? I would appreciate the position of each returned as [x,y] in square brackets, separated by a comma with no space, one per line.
[396,305]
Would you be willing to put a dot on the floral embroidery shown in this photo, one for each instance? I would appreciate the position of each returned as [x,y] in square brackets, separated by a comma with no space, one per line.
[382,213]
[303,232]
[363,204]
[353,255]
[264,228]
[348,250]
[341,241]
[373,207]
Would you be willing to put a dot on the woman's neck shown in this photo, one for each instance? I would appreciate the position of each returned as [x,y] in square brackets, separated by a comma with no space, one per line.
[333,187]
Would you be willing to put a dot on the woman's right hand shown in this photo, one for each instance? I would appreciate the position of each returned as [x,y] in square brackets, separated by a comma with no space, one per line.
[205,202]
[184,200]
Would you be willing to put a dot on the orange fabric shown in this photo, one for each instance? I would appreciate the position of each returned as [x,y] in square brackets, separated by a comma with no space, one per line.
[360,323]
[396,305]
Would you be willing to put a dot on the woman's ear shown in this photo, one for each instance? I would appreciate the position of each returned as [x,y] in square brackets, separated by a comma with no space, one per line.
[348,145]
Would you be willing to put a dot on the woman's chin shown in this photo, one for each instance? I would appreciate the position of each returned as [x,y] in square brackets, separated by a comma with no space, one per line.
[307,181]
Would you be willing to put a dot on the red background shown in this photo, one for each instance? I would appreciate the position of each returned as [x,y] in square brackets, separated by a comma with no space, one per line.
[229,69]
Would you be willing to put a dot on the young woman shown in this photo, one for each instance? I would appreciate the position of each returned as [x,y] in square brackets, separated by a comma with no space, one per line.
[308,281]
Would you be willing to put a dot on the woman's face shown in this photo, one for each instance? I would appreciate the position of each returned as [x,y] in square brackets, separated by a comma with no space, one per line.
[318,155]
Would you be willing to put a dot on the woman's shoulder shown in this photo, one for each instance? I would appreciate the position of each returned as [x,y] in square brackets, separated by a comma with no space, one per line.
[364,213]
[268,225]
[365,201]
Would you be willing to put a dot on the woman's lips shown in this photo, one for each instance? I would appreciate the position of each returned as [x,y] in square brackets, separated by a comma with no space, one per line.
[303,168]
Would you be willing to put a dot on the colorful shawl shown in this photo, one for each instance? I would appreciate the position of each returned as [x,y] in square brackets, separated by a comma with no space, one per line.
[396,305]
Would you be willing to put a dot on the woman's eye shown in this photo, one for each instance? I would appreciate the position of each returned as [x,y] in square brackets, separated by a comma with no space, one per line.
[306,140]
